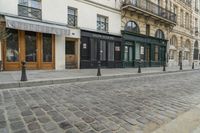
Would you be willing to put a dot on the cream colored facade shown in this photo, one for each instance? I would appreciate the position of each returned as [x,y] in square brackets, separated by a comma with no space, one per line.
[184,35]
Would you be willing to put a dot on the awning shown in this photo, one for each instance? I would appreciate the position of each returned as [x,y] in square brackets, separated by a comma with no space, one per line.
[36,26]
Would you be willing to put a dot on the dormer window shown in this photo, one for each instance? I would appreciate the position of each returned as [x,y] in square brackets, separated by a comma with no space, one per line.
[30,8]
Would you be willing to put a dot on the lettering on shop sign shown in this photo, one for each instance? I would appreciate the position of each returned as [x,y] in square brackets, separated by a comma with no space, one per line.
[103,37]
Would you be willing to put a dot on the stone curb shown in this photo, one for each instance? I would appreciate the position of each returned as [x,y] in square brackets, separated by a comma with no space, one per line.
[80,79]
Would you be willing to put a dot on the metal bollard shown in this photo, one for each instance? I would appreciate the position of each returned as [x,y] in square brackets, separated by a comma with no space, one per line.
[164,67]
[99,68]
[23,76]
[181,67]
[193,65]
[139,67]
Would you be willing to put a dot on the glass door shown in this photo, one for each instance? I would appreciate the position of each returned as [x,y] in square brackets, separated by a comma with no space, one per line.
[128,56]
[12,51]
[31,50]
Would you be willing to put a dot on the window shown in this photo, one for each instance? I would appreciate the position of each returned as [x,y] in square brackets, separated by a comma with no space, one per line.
[148,30]
[182,18]
[30,8]
[156,53]
[47,47]
[187,21]
[72,16]
[70,47]
[31,48]
[132,27]
[196,50]
[173,47]
[160,34]
[102,23]
[12,47]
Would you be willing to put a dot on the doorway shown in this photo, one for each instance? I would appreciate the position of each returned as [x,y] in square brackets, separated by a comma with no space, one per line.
[36,49]
[70,54]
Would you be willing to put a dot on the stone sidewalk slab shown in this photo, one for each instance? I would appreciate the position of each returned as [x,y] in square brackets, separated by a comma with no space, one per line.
[188,122]
[50,77]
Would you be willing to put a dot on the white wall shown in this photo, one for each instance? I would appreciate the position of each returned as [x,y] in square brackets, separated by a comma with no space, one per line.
[59,52]
[9,6]
[87,15]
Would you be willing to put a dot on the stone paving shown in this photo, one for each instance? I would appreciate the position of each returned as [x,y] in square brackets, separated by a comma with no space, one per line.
[128,105]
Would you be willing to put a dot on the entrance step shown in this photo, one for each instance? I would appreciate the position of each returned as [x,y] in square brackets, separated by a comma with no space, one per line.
[70,66]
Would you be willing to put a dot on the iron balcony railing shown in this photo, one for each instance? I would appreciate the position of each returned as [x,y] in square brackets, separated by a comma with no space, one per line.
[72,20]
[151,7]
[31,12]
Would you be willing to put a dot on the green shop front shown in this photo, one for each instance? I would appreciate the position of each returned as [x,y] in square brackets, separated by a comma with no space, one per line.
[138,48]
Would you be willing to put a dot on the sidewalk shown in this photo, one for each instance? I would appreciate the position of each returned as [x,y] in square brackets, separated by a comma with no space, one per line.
[11,79]
[188,122]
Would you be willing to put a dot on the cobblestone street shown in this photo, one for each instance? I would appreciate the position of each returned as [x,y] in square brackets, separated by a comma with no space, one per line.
[138,104]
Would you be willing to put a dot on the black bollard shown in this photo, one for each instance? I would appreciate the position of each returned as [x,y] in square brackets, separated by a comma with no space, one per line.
[181,67]
[164,67]
[193,65]
[99,68]
[139,67]
[23,76]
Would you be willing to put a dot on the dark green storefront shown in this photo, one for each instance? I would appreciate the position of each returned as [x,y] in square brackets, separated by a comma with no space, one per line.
[151,51]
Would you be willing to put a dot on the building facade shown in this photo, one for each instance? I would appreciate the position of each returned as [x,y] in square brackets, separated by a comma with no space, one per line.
[118,33]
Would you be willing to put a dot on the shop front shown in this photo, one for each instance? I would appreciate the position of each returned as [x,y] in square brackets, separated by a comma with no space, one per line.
[138,48]
[100,47]
[34,42]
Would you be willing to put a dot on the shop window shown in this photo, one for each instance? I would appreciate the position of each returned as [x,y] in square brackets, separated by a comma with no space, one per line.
[142,57]
[117,51]
[102,50]
[196,51]
[156,53]
[126,53]
[72,16]
[132,27]
[111,46]
[85,48]
[93,45]
[12,47]
[31,48]
[47,47]
[102,23]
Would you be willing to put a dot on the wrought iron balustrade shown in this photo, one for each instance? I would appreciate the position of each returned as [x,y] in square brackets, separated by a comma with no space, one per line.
[151,7]
[72,20]
[29,12]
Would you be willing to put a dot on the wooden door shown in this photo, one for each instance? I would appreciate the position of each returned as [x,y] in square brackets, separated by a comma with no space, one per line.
[11,51]
[70,56]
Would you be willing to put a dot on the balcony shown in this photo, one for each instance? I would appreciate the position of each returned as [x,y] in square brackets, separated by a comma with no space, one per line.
[31,12]
[148,8]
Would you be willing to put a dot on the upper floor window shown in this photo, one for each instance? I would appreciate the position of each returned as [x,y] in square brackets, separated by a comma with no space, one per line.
[187,21]
[181,18]
[102,23]
[30,8]
[160,34]
[132,27]
[72,16]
